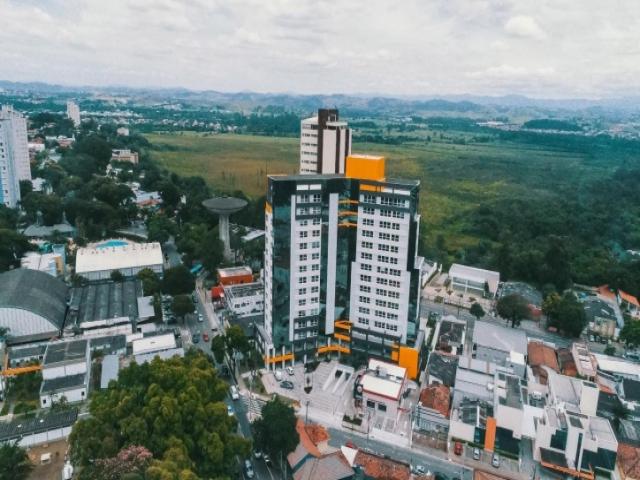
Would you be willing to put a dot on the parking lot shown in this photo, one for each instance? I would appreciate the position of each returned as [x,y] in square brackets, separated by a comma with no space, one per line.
[328,389]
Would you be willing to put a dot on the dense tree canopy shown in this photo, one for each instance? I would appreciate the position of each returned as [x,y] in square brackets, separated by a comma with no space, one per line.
[178,280]
[513,307]
[14,462]
[175,409]
[565,313]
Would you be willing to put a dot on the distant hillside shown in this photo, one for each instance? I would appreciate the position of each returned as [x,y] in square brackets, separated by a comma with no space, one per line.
[552,124]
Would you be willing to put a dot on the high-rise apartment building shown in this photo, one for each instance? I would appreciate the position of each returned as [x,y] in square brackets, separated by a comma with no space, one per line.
[341,270]
[14,155]
[325,143]
[73,112]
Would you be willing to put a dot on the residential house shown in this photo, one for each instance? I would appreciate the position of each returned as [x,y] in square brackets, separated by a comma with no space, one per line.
[441,369]
[449,335]
[431,414]
[585,364]
[629,303]
[501,345]
[382,388]
[474,281]
[540,355]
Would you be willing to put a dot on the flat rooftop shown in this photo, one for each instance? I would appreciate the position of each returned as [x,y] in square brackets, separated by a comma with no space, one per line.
[243,290]
[154,343]
[104,300]
[131,255]
[63,383]
[501,338]
[234,271]
[58,352]
[20,427]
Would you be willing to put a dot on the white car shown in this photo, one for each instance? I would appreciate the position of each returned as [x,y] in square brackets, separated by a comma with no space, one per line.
[495,460]
[290,371]
[476,454]
[233,390]
[200,318]
[248,468]
[278,375]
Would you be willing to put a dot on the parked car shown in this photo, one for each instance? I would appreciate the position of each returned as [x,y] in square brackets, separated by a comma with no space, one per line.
[290,371]
[495,460]
[420,470]
[205,336]
[200,317]
[196,338]
[233,390]
[257,454]
[457,449]
[248,469]
[476,454]
[266,458]
[278,375]
[287,385]
[230,411]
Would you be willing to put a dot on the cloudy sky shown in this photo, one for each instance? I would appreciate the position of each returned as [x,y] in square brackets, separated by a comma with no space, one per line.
[541,48]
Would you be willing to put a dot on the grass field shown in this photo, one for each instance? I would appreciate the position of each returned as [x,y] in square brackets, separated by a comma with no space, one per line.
[455,178]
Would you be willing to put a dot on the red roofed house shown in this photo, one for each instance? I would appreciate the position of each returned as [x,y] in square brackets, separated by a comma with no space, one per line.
[629,303]
[628,461]
[436,397]
[313,459]
[377,467]
[540,355]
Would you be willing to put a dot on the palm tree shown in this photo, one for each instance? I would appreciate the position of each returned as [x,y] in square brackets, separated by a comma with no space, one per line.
[14,462]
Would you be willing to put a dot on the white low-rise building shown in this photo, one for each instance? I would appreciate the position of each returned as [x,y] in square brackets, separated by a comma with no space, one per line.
[124,155]
[382,388]
[163,346]
[246,299]
[97,263]
[65,372]
[475,281]
[51,263]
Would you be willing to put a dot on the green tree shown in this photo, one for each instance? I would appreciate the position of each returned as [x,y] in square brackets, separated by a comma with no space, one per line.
[565,313]
[275,432]
[96,147]
[170,194]
[174,408]
[218,347]
[182,305]
[630,334]
[160,228]
[513,307]
[610,350]
[117,276]
[26,187]
[150,281]
[476,310]
[178,280]
[13,246]
[14,462]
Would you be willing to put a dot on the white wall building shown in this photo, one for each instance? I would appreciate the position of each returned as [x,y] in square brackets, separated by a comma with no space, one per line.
[73,112]
[474,281]
[325,143]
[246,299]
[50,263]
[14,155]
[124,155]
[65,372]
[97,263]
[382,388]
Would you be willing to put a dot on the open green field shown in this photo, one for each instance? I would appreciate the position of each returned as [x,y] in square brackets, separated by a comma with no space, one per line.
[455,178]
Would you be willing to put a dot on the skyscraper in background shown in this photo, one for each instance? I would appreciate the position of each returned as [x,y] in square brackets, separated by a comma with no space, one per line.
[325,142]
[73,112]
[14,155]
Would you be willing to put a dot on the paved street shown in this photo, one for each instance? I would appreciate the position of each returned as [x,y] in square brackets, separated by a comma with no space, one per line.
[412,456]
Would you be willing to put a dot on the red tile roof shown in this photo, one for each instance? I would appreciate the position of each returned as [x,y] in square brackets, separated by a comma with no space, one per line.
[541,355]
[436,397]
[629,461]
[316,433]
[606,292]
[380,468]
[627,297]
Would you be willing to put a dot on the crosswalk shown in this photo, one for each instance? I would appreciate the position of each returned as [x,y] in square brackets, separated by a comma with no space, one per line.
[253,405]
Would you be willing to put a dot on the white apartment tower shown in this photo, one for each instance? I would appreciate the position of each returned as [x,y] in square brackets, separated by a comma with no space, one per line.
[341,271]
[325,143]
[14,155]
[73,112]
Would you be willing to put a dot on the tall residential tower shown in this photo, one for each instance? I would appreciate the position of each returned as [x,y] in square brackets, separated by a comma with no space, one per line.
[14,155]
[325,142]
[73,112]
[341,271]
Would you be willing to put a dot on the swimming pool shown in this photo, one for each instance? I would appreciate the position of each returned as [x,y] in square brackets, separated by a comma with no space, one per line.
[112,243]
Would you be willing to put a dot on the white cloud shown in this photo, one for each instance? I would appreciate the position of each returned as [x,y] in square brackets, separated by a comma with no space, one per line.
[542,48]
[524,26]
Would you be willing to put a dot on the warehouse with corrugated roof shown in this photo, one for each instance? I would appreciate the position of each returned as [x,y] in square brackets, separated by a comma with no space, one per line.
[33,305]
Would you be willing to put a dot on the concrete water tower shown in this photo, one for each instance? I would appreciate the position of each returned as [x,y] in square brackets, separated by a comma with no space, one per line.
[223,207]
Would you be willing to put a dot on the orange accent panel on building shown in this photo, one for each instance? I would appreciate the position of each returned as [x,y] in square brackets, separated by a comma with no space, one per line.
[279,358]
[267,207]
[490,436]
[365,167]
[408,358]
[341,336]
